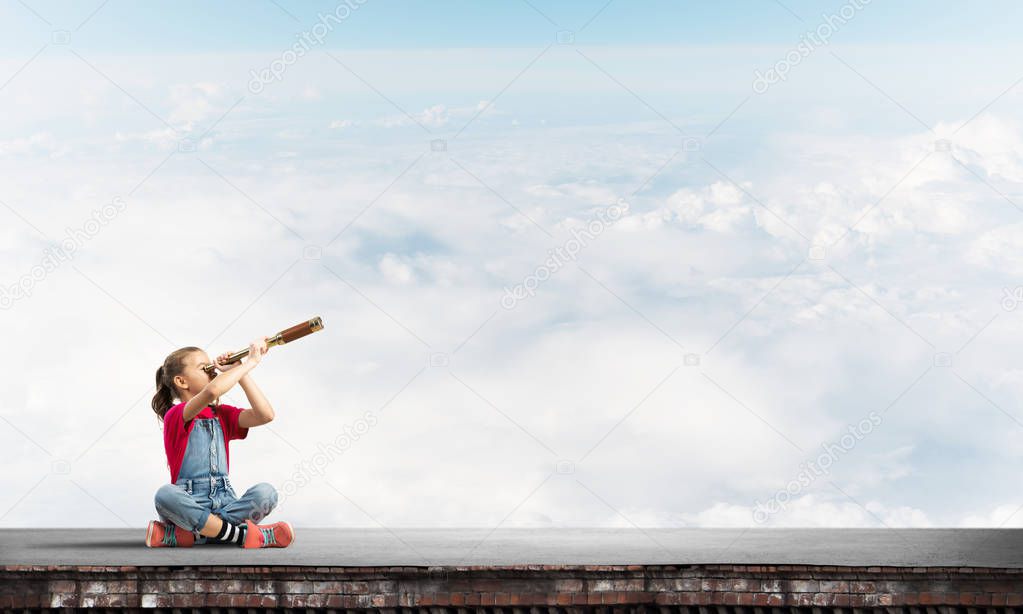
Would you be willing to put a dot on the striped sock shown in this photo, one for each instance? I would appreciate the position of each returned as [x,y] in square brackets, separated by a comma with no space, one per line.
[230,534]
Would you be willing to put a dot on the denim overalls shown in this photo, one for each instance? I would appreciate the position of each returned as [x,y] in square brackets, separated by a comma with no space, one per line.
[203,487]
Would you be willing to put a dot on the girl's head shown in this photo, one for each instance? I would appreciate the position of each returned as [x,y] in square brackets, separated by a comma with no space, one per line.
[180,377]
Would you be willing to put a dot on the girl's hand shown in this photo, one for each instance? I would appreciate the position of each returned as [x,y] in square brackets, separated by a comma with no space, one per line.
[256,350]
[221,365]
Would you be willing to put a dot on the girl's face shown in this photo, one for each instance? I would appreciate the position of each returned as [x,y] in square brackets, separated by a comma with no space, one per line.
[193,375]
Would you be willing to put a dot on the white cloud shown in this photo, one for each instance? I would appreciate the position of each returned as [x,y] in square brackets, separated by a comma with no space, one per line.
[1008,515]
[787,359]
[439,115]
[39,143]
[394,270]
[194,102]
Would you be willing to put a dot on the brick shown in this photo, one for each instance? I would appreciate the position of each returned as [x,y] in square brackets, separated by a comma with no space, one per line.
[288,601]
[63,600]
[117,600]
[485,585]
[803,586]
[122,586]
[294,587]
[834,586]
[563,586]
[328,587]
[771,586]
[187,600]
[62,586]
[382,586]
[600,586]
[355,588]
[181,586]
[568,586]
[681,584]
[629,585]
[738,584]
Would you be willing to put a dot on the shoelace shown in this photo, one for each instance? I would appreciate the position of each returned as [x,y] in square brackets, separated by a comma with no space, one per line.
[170,536]
[268,536]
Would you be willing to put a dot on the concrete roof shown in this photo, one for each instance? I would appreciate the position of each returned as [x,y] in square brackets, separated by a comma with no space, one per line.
[449,547]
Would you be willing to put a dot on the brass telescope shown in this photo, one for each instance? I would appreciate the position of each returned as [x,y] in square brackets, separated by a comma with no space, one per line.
[285,336]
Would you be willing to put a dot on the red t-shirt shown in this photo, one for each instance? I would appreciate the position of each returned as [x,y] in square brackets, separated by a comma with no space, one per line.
[175,432]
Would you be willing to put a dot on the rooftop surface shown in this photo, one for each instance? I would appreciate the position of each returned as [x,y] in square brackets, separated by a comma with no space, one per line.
[357,547]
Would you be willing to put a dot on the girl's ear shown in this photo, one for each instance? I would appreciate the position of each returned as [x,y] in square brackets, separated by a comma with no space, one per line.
[180,382]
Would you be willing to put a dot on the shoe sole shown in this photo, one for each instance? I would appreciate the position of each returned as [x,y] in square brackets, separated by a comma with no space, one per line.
[292,532]
[149,534]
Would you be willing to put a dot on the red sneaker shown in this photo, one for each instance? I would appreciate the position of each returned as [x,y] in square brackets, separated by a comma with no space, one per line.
[162,535]
[276,535]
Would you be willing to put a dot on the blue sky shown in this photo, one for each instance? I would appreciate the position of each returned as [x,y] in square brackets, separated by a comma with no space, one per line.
[237,25]
[842,246]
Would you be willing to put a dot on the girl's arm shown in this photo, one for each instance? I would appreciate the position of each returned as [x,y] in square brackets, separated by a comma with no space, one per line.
[224,381]
[261,412]
[219,385]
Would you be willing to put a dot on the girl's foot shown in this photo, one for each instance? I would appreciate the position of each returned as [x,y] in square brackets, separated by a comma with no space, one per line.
[161,535]
[276,535]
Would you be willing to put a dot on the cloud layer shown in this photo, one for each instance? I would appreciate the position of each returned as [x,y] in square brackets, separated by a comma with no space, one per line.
[773,283]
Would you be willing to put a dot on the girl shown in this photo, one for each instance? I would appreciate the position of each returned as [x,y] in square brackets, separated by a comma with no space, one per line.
[196,431]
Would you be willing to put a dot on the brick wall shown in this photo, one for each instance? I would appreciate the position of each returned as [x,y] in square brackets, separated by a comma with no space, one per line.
[521,589]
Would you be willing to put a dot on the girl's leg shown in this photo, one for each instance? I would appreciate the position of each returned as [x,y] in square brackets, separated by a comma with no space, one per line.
[176,506]
[212,526]
[254,505]
[173,503]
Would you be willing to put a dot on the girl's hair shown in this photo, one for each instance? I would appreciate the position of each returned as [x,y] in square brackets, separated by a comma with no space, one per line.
[173,365]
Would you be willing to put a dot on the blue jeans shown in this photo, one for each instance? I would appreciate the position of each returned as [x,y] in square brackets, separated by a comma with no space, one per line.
[203,488]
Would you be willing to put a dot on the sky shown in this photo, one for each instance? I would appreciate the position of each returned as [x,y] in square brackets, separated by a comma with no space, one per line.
[750,264]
